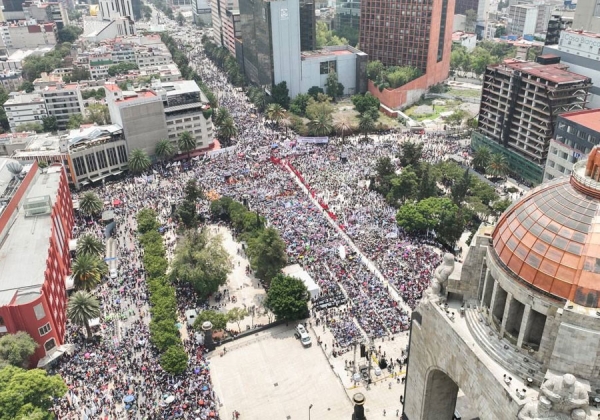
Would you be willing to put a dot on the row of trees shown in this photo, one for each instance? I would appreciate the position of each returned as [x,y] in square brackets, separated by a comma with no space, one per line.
[225,126]
[486,162]
[266,249]
[163,302]
[485,54]
[224,60]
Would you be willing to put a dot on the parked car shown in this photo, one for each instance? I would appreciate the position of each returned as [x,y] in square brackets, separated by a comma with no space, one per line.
[303,335]
[114,273]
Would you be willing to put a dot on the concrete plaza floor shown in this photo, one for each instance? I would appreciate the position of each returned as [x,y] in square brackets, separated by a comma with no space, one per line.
[270,375]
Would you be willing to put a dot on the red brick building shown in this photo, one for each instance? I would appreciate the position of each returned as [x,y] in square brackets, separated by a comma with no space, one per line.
[36,224]
[408,33]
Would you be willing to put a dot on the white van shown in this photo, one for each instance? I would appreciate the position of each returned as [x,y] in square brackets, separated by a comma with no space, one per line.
[303,335]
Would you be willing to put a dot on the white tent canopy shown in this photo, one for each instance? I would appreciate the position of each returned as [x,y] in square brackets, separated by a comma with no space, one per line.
[299,273]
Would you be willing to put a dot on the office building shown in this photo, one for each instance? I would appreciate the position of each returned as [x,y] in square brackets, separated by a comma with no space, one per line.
[346,21]
[141,114]
[47,13]
[575,136]
[24,109]
[184,105]
[111,9]
[62,100]
[527,19]
[461,6]
[202,12]
[308,25]
[587,16]
[559,21]
[36,224]
[517,322]
[222,26]
[581,52]
[408,34]
[520,103]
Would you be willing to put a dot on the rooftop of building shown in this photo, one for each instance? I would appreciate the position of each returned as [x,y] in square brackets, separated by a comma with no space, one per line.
[556,73]
[43,144]
[458,35]
[15,138]
[550,239]
[61,86]
[48,78]
[328,51]
[24,251]
[131,96]
[589,118]
[581,32]
[20,55]
[24,99]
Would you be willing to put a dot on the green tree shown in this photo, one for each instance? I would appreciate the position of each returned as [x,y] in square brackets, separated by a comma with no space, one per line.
[90,204]
[164,150]
[411,154]
[500,31]
[470,20]
[325,37]
[31,126]
[320,126]
[3,119]
[456,118]
[299,104]
[333,87]
[314,92]
[497,166]
[364,103]
[82,308]
[49,124]
[281,94]
[218,320]
[480,59]
[481,159]
[147,221]
[275,112]
[342,126]
[287,298]
[500,206]
[375,69]
[237,315]
[220,116]
[227,131]
[26,86]
[174,360]
[138,161]
[75,121]
[97,114]
[267,254]
[121,68]
[87,271]
[90,244]
[69,34]
[460,188]
[427,187]
[366,124]
[180,19]
[314,109]
[201,261]
[16,349]
[27,394]
[186,143]
[405,186]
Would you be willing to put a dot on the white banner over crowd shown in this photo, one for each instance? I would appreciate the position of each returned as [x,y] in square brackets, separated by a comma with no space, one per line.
[312,140]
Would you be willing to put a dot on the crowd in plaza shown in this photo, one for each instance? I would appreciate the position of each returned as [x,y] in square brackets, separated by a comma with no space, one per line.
[120,373]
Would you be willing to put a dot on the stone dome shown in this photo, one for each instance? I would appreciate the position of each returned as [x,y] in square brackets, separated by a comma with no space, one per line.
[550,239]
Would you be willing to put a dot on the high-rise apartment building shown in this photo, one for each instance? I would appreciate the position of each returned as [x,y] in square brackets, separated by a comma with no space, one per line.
[63,100]
[520,103]
[559,21]
[220,22]
[346,22]
[308,25]
[111,9]
[407,33]
[462,6]
[587,16]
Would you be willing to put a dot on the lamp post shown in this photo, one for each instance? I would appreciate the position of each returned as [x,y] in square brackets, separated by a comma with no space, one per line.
[309,408]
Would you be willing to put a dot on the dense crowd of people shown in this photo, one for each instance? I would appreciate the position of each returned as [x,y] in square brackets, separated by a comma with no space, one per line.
[118,376]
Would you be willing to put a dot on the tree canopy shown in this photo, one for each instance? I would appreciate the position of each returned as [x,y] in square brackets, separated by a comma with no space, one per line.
[16,349]
[202,261]
[28,393]
[287,298]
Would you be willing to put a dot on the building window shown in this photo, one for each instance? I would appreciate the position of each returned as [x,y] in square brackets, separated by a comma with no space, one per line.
[112,156]
[45,329]
[101,158]
[50,344]
[91,162]
[39,311]
[122,154]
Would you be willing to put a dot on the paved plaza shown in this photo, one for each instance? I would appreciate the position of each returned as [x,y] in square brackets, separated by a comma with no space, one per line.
[270,375]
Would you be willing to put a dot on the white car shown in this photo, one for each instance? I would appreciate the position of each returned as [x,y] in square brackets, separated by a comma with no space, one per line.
[113,273]
[302,334]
